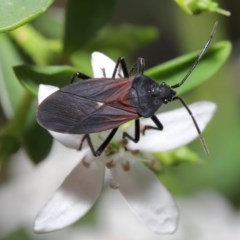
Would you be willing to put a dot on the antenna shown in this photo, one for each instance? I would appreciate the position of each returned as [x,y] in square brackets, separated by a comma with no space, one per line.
[204,50]
[204,144]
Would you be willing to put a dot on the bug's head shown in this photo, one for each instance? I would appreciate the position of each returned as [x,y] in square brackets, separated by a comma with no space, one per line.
[166,93]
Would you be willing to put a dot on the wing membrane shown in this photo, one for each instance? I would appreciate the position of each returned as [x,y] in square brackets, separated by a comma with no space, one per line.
[100,89]
[88,106]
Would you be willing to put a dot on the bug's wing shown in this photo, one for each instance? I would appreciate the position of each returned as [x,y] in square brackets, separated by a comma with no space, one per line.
[100,89]
[87,108]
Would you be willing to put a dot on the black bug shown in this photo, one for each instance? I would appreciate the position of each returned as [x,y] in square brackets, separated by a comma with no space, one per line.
[96,105]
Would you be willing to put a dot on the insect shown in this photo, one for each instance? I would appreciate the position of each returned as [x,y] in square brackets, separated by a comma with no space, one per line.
[99,104]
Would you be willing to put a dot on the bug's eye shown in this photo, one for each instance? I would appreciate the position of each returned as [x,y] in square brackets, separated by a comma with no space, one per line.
[165,100]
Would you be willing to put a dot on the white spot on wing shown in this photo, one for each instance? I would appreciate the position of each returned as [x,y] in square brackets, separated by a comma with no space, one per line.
[99,104]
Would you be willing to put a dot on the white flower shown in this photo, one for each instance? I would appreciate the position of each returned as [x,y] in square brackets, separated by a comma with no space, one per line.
[21,197]
[204,216]
[208,215]
[141,189]
[29,186]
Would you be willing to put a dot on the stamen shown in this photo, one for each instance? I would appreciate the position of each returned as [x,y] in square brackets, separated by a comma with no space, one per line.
[135,152]
[126,166]
[114,185]
[155,165]
[111,164]
[123,143]
[86,163]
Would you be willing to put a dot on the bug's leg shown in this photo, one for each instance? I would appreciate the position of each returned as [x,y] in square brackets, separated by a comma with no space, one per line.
[138,67]
[106,141]
[123,66]
[89,141]
[101,148]
[137,131]
[158,124]
[136,136]
[79,75]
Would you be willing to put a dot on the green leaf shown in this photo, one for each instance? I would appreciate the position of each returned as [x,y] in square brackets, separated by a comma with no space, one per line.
[11,92]
[15,13]
[81,59]
[23,131]
[83,20]
[41,50]
[9,144]
[114,38]
[11,134]
[31,76]
[198,6]
[180,155]
[37,142]
[50,24]
[174,70]
[19,234]
[112,41]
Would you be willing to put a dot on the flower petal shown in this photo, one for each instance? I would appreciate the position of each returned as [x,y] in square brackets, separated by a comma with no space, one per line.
[102,65]
[178,130]
[68,140]
[73,199]
[44,91]
[147,197]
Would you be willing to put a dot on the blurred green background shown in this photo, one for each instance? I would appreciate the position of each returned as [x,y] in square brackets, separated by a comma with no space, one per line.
[180,33]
